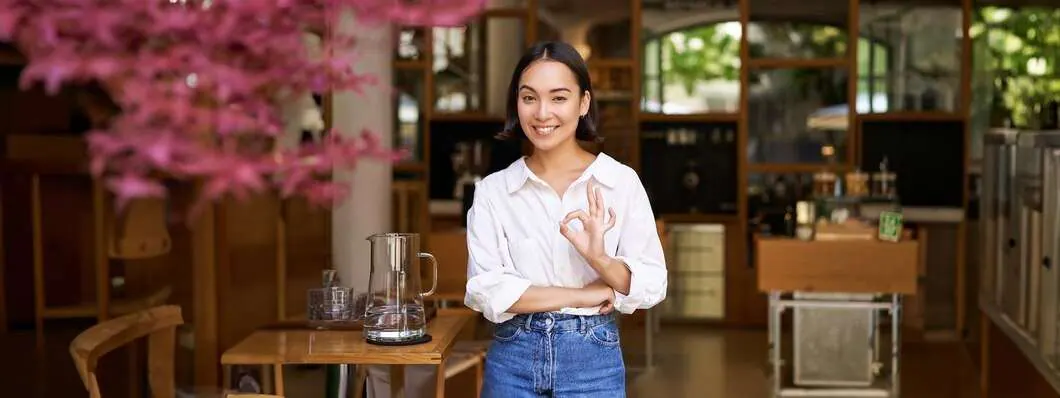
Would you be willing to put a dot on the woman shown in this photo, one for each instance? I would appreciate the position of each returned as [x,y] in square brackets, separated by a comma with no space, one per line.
[558,240]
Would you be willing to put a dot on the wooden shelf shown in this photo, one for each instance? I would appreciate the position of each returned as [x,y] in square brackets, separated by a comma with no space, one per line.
[465,117]
[797,63]
[796,167]
[610,63]
[411,64]
[677,218]
[690,118]
[411,167]
[912,116]
[505,12]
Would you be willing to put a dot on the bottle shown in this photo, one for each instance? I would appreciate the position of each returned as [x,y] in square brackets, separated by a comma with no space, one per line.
[789,221]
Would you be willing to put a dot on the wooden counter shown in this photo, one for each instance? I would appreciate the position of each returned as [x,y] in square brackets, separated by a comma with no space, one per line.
[791,265]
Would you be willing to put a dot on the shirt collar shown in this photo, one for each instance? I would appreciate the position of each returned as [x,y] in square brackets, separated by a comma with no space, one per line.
[604,169]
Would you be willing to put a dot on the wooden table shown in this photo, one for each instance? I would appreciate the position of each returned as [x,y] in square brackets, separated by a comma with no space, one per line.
[346,347]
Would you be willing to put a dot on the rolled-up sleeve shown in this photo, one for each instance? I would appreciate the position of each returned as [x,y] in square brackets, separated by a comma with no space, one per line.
[493,285]
[640,248]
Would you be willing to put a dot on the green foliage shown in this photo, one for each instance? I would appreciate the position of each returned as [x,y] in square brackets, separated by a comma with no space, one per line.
[700,54]
[706,52]
[1019,47]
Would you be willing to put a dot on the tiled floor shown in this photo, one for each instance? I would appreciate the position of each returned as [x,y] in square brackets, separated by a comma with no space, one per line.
[691,362]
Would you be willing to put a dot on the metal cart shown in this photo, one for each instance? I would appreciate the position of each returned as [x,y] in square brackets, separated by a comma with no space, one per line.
[841,293]
[891,304]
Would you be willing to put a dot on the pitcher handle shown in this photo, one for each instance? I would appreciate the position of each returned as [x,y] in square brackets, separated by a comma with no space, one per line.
[434,275]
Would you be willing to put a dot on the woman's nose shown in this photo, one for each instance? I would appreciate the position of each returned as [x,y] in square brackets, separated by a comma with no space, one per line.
[542,112]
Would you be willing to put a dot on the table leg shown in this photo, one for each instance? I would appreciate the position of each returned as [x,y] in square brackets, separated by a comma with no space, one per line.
[226,378]
[277,379]
[479,377]
[439,387]
[397,381]
[361,374]
[896,345]
[774,340]
[267,380]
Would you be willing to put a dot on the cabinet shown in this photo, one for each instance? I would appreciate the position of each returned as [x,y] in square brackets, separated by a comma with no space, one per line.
[697,272]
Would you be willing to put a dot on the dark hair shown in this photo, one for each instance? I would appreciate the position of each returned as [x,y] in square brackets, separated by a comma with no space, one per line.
[565,54]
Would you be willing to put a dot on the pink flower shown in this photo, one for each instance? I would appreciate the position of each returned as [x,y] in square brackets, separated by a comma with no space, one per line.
[200,85]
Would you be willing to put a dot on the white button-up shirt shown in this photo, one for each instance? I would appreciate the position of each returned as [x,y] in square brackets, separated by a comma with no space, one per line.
[514,242]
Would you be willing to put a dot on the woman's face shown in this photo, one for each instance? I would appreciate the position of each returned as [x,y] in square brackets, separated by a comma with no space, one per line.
[550,104]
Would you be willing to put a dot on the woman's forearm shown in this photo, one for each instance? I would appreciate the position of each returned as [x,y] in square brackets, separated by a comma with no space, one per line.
[545,299]
[613,272]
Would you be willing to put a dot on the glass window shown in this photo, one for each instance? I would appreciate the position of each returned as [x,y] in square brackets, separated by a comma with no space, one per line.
[408,108]
[798,29]
[909,57]
[693,70]
[797,116]
[473,64]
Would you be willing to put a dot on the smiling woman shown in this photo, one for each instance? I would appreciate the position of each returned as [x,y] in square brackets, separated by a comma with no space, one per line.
[551,82]
[559,240]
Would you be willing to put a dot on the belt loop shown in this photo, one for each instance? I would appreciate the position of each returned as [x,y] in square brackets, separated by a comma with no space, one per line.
[529,319]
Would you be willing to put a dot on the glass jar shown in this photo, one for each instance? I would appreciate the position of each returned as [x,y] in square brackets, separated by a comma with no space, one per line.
[883,184]
[857,183]
[824,184]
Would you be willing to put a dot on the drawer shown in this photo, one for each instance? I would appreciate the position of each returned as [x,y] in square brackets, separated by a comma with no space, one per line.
[698,248]
[698,239]
[700,296]
[699,259]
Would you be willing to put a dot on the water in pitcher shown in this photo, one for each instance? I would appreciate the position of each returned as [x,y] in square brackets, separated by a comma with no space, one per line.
[394,322]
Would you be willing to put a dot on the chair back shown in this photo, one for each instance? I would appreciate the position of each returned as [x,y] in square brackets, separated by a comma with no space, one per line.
[140,230]
[158,324]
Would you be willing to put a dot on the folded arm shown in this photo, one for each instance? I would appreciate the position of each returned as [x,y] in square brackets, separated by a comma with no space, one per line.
[495,288]
[638,270]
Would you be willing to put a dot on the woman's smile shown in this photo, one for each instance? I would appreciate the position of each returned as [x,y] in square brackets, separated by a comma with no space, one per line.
[545,129]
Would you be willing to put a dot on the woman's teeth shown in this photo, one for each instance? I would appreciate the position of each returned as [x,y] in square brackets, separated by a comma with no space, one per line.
[545,130]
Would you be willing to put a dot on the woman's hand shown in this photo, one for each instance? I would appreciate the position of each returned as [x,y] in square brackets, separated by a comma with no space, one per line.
[601,294]
[590,240]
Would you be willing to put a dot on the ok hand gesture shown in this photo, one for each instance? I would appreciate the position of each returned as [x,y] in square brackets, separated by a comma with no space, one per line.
[590,240]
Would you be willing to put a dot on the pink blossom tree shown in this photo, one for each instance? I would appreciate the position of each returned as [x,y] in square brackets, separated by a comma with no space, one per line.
[201,84]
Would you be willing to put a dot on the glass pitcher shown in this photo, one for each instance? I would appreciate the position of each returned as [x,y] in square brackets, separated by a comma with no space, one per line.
[394,309]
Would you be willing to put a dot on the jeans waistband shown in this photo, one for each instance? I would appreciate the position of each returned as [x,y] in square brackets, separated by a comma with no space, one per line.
[553,321]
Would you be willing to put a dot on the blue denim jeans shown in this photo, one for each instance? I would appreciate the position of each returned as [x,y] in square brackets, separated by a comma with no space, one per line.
[555,355]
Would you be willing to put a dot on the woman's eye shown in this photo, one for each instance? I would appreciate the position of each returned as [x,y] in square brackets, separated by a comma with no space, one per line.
[559,99]
[528,98]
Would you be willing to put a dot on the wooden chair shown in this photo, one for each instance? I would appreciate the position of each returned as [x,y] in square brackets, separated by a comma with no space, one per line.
[158,325]
[140,232]
[464,356]
[468,355]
